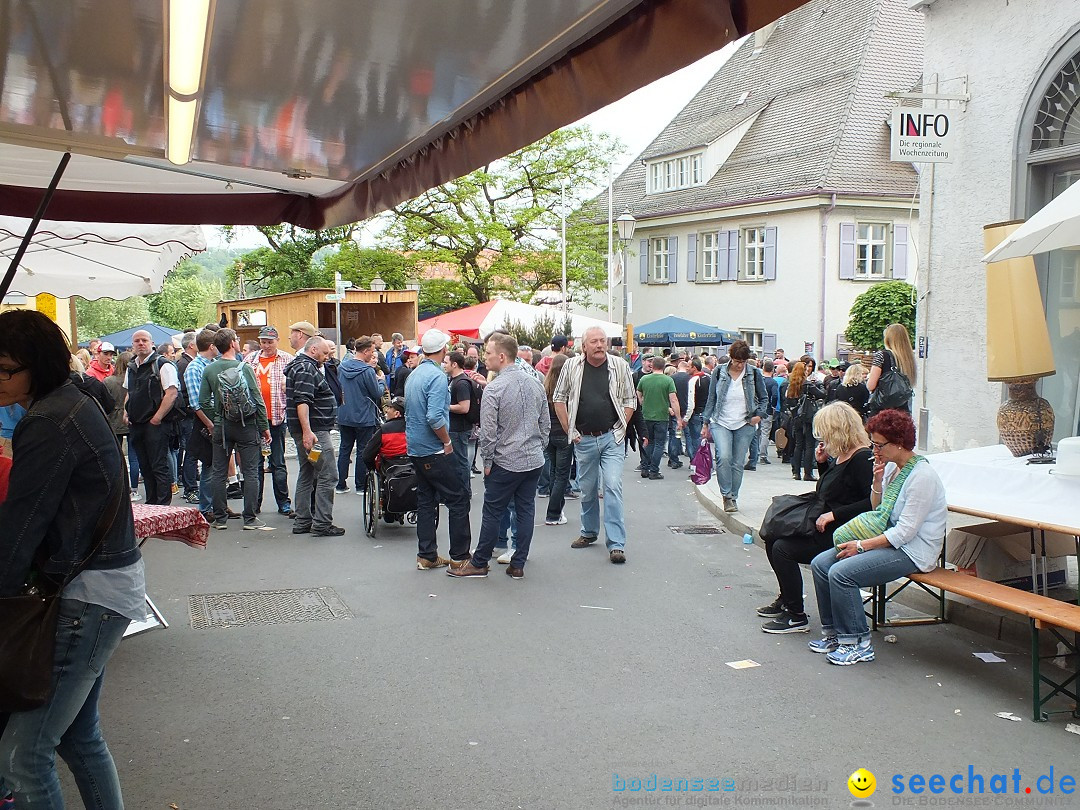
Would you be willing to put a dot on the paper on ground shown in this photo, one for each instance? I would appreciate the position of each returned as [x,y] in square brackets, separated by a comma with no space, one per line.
[747,664]
[1008,716]
[989,658]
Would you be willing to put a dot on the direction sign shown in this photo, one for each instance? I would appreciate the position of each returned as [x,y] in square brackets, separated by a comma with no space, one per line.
[335,296]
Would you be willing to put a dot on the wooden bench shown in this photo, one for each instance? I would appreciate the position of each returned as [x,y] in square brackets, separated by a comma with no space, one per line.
[1042,613]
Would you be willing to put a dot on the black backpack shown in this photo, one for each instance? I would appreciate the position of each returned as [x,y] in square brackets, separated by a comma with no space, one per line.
[476,394]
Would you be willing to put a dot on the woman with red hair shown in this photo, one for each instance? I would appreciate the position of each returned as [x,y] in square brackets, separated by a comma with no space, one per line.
[903,534]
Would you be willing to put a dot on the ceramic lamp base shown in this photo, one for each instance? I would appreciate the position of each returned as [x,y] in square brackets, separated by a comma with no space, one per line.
[1025,420]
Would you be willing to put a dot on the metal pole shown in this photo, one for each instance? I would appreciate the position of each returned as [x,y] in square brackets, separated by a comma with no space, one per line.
[562,212]
[337,314]
[32,229]
[610,239]
[625,284]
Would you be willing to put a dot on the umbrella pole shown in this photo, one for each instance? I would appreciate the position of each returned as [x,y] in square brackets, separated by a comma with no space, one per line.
[44,204]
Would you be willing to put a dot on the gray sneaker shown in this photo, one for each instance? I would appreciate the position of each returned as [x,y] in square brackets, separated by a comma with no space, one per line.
[256,525]
[730,505]
[823,645]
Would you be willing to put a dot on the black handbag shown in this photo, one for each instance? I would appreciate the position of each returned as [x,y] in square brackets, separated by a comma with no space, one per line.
[791,516]
[893,390]
[28,627]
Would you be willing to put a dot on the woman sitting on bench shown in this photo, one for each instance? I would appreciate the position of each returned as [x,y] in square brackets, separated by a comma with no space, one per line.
[902,535]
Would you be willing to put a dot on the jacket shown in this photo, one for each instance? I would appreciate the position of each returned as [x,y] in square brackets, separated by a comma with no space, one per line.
[388,442]
[276,375]
[66,468]
[620,386]
[844,489]
[757,398]
[362,393]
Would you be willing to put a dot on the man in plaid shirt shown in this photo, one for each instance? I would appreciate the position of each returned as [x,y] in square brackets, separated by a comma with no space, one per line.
[269,367]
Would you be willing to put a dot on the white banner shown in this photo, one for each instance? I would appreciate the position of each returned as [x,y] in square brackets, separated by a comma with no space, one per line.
[923,136]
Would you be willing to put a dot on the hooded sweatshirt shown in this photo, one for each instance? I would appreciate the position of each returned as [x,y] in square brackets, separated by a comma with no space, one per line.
[362,392]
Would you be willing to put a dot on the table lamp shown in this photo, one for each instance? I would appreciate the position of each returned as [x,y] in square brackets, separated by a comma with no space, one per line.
[1018,347]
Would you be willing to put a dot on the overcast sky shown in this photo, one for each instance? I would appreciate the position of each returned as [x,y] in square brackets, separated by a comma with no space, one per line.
[635,120]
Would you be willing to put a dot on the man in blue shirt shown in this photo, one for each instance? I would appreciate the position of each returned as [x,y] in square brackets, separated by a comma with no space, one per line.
[427,422]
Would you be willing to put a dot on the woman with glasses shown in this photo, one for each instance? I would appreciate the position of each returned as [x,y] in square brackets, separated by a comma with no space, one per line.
[909,501]
[67,509]
[846,467]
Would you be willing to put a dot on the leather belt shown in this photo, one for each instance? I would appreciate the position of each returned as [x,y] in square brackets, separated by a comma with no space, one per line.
[597,433]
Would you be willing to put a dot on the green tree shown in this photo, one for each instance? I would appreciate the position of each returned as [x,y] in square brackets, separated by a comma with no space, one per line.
[539,333]
[361,265]
[287,262]
[499,225]
[883,304]
[440,295]
[107,315]
[185,301]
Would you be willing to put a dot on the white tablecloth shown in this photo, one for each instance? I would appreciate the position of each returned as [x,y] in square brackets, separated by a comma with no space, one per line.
[991,480]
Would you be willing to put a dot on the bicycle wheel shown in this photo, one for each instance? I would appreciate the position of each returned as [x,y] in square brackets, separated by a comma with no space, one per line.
[371,503]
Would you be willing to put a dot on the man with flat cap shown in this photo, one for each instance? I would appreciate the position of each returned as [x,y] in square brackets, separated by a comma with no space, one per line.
[269,366]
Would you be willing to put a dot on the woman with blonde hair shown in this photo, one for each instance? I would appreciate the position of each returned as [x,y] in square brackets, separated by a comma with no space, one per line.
[846,468]
[852,388]
[898,355]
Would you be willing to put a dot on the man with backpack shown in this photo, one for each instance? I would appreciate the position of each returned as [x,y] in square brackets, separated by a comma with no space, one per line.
[358,416]
[229,395]
[465,396]
[153,385]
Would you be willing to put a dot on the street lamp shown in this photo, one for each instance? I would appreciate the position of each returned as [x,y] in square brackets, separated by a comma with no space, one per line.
[626,224]
[377,284]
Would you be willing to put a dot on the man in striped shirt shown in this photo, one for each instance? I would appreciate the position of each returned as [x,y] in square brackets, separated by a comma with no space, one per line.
[269,366]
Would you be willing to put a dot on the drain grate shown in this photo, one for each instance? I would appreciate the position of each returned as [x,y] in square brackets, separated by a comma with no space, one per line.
[696,530]
[266,607]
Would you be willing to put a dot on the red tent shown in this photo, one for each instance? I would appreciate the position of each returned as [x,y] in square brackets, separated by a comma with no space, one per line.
[459,323]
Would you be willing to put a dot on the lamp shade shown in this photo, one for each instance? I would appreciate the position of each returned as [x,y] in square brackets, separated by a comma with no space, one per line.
[1017,340]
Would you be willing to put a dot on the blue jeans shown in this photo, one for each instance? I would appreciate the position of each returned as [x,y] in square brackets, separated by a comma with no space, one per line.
[437,482]
[501,488]
[133,462]
[460,442]
[656,433]
[558,455]
[837,583]
[189,480]
[86,636]
[279,474]
[761,439]
[692,433]
[508,529]
[600,463]
[358,436]
[731,447]
[674,445]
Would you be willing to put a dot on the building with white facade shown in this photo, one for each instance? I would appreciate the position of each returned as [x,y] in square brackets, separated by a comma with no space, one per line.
[1018,146]
[770,203]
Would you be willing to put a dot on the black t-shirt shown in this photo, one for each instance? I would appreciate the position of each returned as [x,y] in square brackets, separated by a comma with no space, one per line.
[400,376]
[596,412]
[682,389]
[460,391]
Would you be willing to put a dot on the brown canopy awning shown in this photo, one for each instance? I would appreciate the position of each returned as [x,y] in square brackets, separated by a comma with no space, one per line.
[322,112]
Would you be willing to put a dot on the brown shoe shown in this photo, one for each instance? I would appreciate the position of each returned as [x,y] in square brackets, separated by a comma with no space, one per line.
[516,573]
[583,542]
[617,556]
[456,564]
[466,569]
[424,564]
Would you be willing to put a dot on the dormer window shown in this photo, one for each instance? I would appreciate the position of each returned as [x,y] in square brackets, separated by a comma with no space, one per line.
[672,173]
[741,99]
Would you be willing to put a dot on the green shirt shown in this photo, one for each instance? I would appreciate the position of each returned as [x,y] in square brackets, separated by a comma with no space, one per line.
[208,394]
[655,389]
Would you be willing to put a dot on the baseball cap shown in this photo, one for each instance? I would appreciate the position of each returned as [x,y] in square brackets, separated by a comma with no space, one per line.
[106,347]
[559,342]
[434,341]
[303,326]
[412,350]
[268,332]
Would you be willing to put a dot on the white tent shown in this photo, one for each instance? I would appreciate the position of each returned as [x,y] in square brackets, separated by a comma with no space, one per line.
[94,259]
[481,320]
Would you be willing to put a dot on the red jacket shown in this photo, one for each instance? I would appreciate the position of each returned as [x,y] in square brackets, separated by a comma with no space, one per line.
[389,442]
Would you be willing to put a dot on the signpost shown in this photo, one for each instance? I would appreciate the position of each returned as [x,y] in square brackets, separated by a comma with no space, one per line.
[337,296]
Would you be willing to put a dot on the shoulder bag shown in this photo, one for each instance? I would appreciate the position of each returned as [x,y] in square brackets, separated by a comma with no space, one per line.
[792,516]
[875,522]
[28,625]
[893,389]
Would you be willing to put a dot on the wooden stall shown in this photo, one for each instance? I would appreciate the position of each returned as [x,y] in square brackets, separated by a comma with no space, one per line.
[362,313]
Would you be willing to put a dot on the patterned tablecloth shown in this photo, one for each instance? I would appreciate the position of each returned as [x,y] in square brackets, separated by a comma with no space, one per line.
[183,523]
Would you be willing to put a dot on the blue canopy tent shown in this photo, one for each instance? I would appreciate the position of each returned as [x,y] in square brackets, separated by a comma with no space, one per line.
[122,340]
[675,331]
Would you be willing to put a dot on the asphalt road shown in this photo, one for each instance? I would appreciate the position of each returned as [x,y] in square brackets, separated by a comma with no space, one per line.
[495,693]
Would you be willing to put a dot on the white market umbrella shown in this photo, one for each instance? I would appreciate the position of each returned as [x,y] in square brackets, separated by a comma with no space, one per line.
[95,259]
[1056,225]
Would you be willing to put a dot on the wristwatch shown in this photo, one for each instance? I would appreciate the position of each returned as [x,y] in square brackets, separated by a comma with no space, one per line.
[858,547]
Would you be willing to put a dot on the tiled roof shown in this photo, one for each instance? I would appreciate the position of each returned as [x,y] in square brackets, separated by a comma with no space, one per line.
[820,85]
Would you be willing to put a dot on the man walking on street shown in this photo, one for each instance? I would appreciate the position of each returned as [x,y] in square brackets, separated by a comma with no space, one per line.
[153,386]
[514,426]
[594,401]
[311,411]
[239,416]
[427,422]
[269,366]
[358,415]
[656,392]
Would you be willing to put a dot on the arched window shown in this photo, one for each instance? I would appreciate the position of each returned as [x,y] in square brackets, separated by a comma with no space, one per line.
[1056,122]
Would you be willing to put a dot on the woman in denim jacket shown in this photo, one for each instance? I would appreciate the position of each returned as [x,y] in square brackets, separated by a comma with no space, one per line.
[67,471]
[732,420]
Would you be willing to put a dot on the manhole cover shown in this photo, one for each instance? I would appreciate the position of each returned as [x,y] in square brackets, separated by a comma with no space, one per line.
[696,530]
[266,607]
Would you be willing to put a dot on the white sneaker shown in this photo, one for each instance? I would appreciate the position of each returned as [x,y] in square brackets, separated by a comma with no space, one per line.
[504,559]
[135,496]
[559,522]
